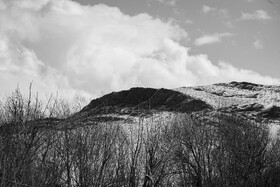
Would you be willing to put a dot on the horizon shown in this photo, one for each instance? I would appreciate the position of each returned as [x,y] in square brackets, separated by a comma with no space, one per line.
[89,47]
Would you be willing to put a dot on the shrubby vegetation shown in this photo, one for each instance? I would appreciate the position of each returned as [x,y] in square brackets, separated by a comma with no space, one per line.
[185,151]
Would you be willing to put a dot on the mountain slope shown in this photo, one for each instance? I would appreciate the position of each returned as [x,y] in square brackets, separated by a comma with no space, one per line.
[141,100]
[251,101]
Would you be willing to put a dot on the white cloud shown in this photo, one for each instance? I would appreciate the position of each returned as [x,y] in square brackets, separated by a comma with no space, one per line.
[19,66]
[258,44]
[230,72]
[206,9]
[188,21]
[222,12]
[63,46]
[210,39]
[257,15]
[168,2]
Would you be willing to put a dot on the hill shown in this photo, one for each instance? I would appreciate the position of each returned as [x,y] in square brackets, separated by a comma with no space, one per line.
[214,135]
[251,101]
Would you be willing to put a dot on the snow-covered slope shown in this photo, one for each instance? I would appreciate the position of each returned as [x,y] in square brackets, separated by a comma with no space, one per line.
[252,101]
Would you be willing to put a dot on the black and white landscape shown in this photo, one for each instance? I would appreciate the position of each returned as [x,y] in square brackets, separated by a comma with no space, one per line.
[109,93]
[218,135]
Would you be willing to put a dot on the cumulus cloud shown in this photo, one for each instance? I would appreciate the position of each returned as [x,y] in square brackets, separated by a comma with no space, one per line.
[63,46]
[210,38]
[257,15]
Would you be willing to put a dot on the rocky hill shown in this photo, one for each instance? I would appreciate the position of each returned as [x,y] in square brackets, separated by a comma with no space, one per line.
[256,102]
[253,101]
[144,100]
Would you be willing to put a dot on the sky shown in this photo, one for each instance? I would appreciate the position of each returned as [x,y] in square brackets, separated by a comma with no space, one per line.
[92,47]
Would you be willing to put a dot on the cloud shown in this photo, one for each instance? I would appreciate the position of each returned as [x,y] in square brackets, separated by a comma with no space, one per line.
[222,12]
[19,66]
[188,21]
[63,46]
[210,39]
[230,72]
[206,9]
[168,2]
[257,15]
[258,44]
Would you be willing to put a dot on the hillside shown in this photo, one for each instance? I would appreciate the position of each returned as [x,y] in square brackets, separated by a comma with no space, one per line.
[192,136]
[252,101]
[141,100]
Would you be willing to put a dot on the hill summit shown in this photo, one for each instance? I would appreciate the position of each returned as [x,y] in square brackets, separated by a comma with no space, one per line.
[252,101]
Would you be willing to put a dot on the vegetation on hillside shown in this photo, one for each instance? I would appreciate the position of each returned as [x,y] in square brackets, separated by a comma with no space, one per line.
[187,150]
